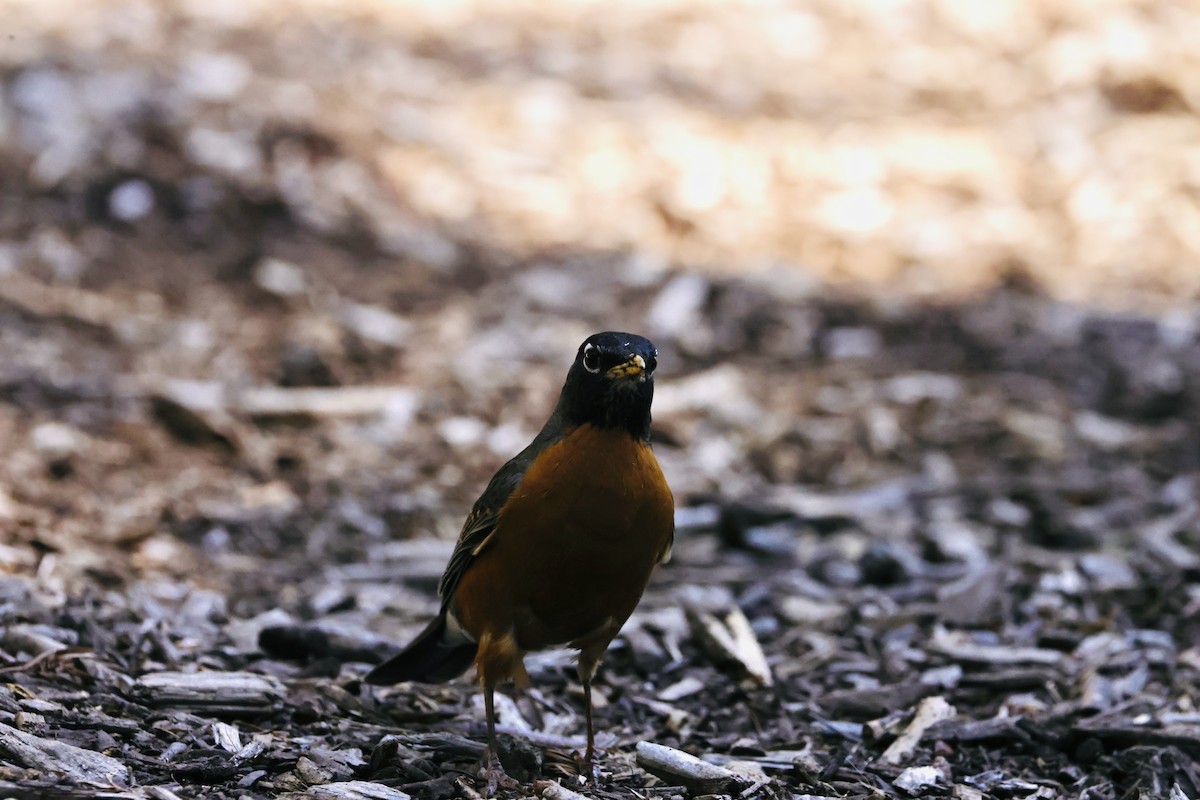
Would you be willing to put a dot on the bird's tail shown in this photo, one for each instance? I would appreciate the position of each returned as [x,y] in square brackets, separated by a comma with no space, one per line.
[436,655]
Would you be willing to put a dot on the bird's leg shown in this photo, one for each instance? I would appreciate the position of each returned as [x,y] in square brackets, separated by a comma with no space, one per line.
[497,778]
[494,771]
[589,758]
[589,659]
[493,664]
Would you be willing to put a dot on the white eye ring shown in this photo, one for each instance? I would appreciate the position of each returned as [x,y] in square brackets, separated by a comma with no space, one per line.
[591,358]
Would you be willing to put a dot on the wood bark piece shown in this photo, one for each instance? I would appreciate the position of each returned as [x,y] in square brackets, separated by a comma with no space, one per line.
[48,790]
[214,692]
[227,737]
[1125,732]
[915,780]
[731,641]
[28,639]
[683,769]
[352,790]
[962,649]
[1159,538]
[996,729]
[50,756]
[552,790]
[161,793]
[863,704]
[930,711]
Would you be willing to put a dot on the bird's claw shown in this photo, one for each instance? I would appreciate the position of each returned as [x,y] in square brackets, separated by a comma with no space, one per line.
[589,770]
[497,778]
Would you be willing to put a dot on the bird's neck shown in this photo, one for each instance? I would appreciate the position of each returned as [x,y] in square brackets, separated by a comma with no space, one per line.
[623,411]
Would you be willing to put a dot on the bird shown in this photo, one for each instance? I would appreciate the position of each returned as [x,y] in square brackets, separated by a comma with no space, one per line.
[559,548]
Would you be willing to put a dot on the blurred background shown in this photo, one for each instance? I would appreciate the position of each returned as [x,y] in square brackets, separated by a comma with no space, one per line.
[924,146]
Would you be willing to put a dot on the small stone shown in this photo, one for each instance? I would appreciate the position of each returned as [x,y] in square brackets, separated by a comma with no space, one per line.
[231,153]
[1104,432]
[57,440]
[214,76]
[131,200]
[914,387]
[280,277]
[842,344]
[374,323]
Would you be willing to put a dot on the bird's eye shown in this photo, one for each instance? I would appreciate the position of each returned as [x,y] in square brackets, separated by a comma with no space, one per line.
[653,362]
[591,358]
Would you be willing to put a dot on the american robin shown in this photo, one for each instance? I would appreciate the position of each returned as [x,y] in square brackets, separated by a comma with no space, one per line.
[560,546]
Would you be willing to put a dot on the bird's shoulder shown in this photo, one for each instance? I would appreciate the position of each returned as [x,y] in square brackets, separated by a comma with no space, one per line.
[481,522]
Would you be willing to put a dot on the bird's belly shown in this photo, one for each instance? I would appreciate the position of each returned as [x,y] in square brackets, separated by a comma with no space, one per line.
[598,573]
[576,543]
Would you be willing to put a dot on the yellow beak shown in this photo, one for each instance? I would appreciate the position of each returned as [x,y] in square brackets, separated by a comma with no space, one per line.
[630,369]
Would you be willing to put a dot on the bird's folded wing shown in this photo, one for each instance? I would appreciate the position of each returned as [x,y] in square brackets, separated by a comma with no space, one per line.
[476,533]
[481,522]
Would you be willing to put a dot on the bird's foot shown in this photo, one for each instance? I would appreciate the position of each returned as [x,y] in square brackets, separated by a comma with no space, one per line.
[589,770]
[496,777]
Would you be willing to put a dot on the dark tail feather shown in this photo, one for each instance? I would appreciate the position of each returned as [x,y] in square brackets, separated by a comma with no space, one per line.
[432,657]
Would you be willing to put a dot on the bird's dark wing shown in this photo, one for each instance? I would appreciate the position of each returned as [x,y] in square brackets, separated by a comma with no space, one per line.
[481,522]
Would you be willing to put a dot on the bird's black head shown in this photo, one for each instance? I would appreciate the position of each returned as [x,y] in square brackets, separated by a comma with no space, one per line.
[611,383]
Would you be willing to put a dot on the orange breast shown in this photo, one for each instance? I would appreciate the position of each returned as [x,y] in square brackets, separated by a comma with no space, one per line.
[574,546]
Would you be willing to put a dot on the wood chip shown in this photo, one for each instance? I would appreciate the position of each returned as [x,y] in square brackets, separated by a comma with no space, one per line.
[684,687]
[864,704]
[161,793]
[683,769]
[351,790]
[213,692]
[30,639]
[915,780]
[931,710]
[1123,731]
[731,641]
[48,755]
[552,790]
[961,648]
[996,729]
[227,737]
